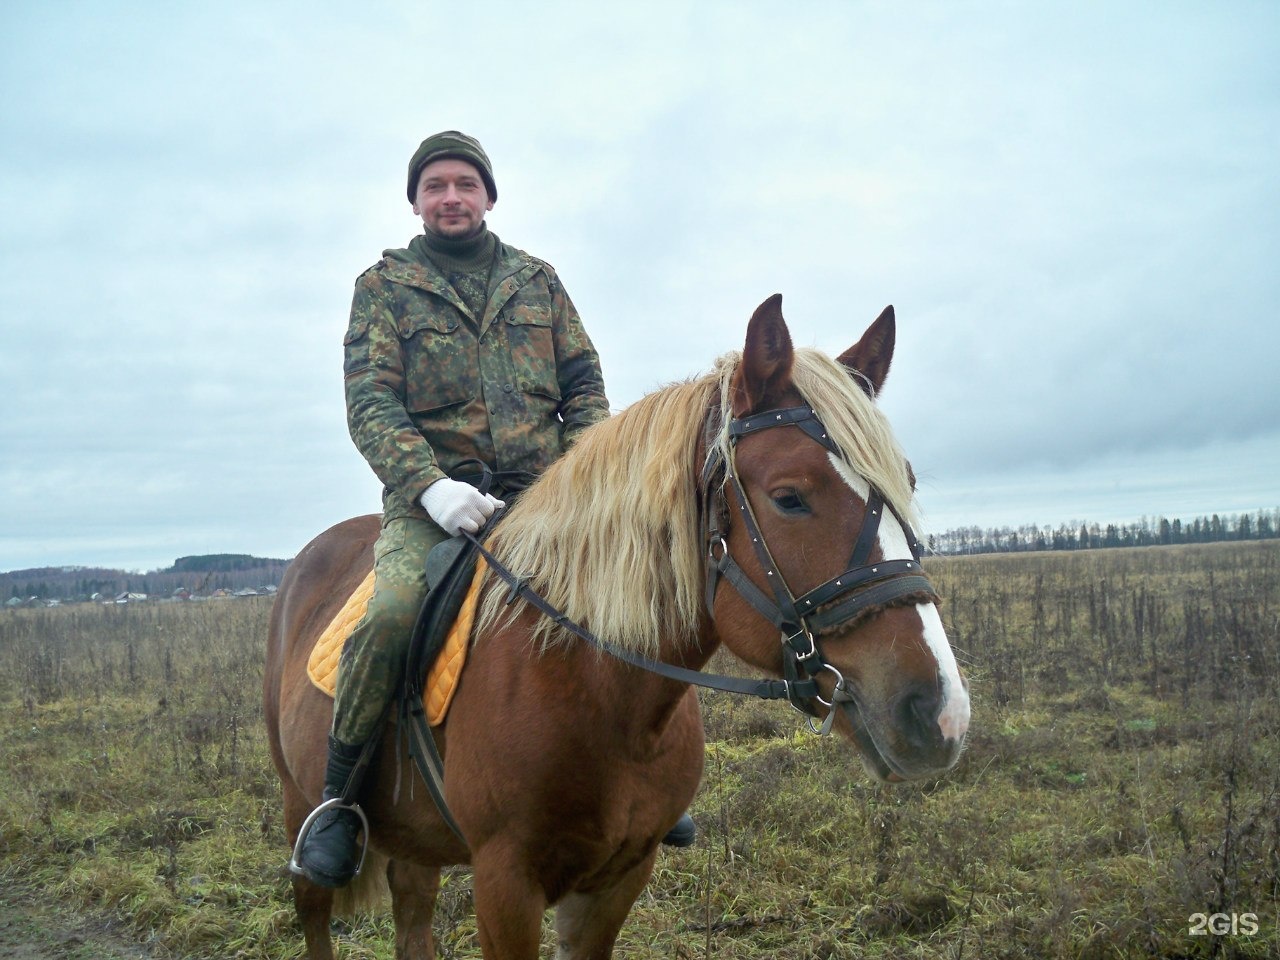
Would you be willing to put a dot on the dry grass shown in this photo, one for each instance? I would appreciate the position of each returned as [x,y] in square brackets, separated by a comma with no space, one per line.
[1123,774]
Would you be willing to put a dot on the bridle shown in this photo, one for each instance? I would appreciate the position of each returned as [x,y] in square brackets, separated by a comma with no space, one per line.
[862,588]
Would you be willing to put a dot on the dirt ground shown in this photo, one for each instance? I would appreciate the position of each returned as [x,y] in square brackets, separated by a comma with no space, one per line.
[33,930]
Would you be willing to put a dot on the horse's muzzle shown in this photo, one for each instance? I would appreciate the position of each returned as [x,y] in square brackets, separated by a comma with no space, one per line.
[904,739]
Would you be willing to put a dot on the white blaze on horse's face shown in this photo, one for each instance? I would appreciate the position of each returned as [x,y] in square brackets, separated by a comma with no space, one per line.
[953,719]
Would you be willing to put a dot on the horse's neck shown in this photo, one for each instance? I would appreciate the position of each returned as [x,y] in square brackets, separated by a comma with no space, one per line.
[646,700]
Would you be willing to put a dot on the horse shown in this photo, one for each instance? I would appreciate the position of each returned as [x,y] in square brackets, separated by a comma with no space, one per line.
[714,512]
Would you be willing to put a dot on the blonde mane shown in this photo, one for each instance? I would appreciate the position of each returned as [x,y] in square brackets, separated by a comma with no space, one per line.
[610,533]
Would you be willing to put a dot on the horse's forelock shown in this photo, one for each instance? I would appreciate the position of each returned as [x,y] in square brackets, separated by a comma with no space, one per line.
[853,421]
[859,428]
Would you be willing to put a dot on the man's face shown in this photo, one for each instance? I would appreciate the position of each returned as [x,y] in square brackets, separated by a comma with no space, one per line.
[451,198]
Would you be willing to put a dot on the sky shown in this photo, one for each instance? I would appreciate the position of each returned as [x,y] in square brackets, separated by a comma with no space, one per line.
[1074,208]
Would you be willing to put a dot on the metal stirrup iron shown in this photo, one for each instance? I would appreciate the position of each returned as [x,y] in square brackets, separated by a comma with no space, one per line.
[336,803]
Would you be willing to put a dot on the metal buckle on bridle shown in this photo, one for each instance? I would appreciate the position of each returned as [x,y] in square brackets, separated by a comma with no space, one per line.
[787,641]
[808,659]
[839,694]
[804,661]
[711,550]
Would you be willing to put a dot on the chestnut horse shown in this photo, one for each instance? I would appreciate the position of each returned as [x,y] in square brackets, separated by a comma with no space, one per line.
[679,525]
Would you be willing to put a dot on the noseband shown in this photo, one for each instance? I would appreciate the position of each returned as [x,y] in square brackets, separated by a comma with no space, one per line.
[861,588]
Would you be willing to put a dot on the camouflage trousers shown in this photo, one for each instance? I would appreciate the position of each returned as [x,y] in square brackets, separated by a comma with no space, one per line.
[373,659]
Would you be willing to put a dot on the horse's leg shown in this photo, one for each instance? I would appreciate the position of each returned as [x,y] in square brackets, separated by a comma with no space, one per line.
[314,905]
[587,924]
[509,908]
[413,903]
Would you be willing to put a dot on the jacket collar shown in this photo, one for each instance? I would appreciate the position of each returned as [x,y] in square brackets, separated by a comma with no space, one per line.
[512,269]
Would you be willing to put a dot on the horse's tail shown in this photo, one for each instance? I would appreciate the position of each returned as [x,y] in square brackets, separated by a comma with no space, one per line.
[366,894]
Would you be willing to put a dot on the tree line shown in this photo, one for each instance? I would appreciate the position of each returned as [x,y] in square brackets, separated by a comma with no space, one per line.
[199,576]
[207,574]
[1077,535]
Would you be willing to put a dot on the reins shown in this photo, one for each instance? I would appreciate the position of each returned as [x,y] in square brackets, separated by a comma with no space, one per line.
[861,589]
[519,589]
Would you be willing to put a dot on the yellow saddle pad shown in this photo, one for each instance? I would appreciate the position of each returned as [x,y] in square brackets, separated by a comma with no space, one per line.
[442,680]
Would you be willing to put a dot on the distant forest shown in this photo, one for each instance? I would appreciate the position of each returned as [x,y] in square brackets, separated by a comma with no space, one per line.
[204,576]
[1147,532]
[198,576]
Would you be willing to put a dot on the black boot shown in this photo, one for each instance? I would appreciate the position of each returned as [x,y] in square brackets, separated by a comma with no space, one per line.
[328,853]
[683,833]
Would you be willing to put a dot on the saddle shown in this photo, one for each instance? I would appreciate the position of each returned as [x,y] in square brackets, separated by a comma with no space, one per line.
[453,575]
[439,652]
[441,634]
[438,647]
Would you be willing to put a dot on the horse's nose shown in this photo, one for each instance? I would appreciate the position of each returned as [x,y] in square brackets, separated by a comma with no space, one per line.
[931,729]
[917,712]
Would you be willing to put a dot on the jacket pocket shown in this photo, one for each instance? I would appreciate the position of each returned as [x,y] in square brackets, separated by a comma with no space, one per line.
[530,333]
[439,361]
[355,347]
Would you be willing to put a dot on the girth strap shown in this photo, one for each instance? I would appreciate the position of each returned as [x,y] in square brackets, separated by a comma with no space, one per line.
[422,748]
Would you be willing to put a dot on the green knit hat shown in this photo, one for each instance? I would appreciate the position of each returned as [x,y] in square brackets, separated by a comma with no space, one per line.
[451,143]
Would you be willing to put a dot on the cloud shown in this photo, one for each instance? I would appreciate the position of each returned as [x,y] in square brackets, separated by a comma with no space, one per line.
[1070,207]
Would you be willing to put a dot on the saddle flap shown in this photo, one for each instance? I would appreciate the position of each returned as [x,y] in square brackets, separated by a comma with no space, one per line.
[450,569]
[441,637]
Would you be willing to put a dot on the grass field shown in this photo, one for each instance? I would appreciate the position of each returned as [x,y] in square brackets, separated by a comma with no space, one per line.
[1123,776]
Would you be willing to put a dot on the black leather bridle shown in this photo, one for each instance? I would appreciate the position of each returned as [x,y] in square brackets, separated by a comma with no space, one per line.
[861,589]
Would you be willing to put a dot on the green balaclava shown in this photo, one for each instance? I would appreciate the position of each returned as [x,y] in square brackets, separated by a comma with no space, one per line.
[451,144]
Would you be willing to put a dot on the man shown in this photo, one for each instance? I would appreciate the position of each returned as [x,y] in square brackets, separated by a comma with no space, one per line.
[459,348]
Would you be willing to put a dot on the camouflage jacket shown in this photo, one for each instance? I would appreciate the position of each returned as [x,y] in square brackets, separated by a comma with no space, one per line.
[428,385]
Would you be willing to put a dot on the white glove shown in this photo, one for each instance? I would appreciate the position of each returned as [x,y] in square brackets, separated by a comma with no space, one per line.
[458,506]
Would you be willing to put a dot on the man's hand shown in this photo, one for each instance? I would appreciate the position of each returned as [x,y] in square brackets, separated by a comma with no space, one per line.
[458,506]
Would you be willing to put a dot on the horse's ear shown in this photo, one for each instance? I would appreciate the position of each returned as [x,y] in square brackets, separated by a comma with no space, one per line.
[869,358]
[765,371]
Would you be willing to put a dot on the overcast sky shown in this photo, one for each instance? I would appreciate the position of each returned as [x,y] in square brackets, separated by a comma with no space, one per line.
[1074,207]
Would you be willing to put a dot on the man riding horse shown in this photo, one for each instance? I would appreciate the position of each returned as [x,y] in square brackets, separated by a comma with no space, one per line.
[460,348]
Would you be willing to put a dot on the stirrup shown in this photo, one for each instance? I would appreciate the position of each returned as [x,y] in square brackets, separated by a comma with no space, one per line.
[334,804]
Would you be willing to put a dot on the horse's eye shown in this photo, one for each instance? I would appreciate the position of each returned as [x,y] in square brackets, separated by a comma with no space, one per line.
[789,502]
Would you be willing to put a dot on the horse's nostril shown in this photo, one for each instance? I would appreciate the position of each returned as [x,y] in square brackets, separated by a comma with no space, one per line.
[919,714]
[925,709]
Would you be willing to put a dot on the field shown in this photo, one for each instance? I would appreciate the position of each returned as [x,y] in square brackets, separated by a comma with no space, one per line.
[1120,796]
